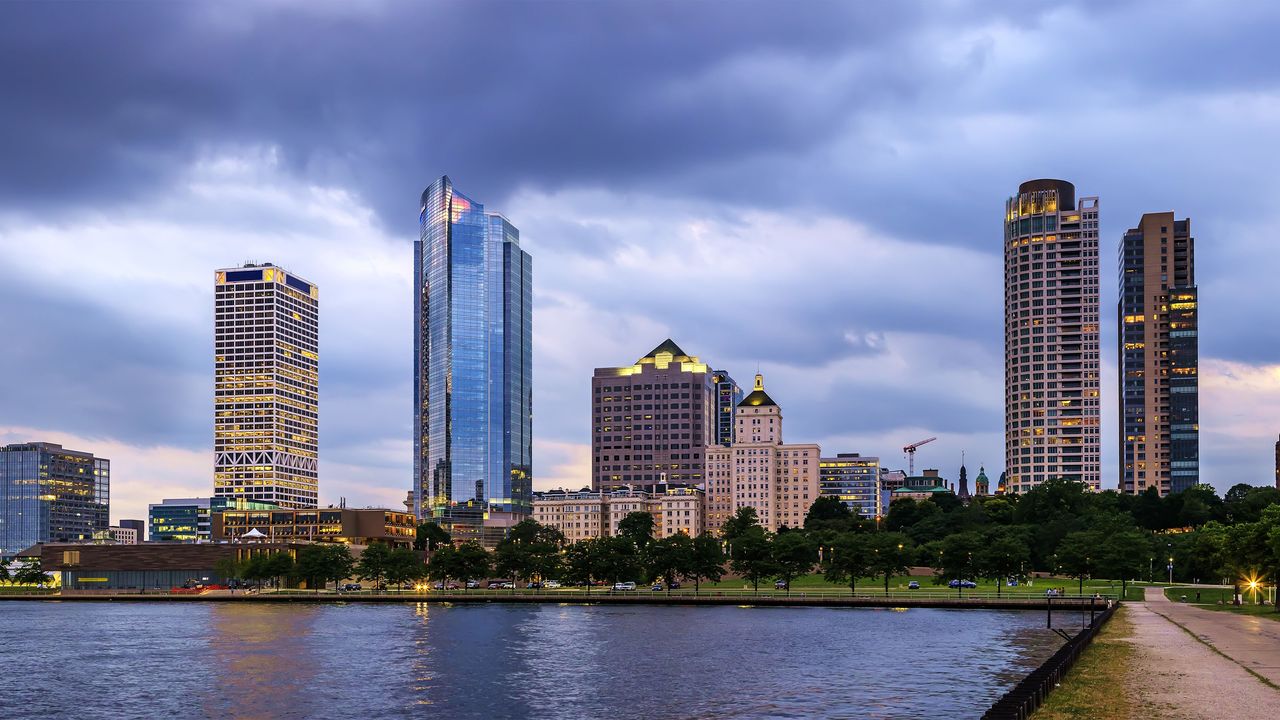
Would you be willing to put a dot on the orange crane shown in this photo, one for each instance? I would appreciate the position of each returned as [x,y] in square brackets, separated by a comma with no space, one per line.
[910,450]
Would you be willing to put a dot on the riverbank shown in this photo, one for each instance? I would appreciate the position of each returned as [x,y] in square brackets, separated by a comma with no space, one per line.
[1066,604]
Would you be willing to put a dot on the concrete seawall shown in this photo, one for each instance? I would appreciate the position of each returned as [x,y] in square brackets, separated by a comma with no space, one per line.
[1066,604]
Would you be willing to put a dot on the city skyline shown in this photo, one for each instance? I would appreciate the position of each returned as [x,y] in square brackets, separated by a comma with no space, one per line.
[717,179]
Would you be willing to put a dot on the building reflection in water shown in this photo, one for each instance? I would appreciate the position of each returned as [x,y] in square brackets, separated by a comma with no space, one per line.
[261,659]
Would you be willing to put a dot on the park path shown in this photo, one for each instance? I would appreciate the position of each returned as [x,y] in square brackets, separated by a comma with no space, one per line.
[1173,676]
[1250,642]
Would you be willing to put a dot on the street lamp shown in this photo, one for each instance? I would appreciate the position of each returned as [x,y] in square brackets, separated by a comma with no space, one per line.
[1170,569]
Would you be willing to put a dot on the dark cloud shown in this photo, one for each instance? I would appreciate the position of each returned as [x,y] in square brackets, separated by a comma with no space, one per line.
[75,366]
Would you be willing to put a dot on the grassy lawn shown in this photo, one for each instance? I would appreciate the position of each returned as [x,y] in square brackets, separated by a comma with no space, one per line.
[1209,601]
[870,586]
[1095,686]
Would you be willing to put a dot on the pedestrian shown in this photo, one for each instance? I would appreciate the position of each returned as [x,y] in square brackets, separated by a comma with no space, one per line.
[1197,596]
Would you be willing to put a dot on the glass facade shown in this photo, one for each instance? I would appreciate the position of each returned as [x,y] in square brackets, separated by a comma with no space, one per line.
[473,391]
[728,395]
[49,494]
[855,480]
[189,519]
[1158,351]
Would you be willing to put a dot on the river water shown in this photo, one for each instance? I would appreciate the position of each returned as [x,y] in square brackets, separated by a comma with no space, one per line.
[233,660]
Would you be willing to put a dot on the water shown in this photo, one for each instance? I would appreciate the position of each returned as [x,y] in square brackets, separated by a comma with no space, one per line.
[233,660]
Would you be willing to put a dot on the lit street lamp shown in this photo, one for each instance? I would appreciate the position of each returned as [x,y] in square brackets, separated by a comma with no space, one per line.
[1170,569]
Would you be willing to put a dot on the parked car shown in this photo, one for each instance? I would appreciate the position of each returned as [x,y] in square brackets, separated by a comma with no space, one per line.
[780,585]
[473,584]
[535,585]
[508,586]
[551,584]
[962,584]
[438,586]
[352,587]
[913,585]
[624,586]
[494,585]
[657,587]
[675,585]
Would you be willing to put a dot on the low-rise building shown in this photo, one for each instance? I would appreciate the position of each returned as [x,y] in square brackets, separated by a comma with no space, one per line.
[147,566]
[853,479]
[124,535]
[363,526]
[585,514]
[189,519]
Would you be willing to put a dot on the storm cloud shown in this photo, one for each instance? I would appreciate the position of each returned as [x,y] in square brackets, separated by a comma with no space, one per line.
[814,190]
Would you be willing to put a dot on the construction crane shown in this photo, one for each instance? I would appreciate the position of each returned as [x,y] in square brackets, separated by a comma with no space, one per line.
[910,450]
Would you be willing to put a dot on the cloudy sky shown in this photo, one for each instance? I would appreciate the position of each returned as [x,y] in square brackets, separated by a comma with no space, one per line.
[816,189]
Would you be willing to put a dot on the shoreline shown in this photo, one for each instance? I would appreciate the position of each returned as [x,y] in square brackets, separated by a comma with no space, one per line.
[438,598]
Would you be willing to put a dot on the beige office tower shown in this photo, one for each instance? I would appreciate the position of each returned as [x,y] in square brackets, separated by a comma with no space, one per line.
[1051,336]
[266,366]
[780,481]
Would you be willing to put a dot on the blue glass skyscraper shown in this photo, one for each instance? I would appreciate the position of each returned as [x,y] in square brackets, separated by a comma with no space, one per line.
[473,389]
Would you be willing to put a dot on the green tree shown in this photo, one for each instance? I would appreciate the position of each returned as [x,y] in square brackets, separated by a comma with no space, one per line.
[30,572]
[474,562]
[578,567]
[372,565]
[444,565]
[891,553]
[404,566]
[278,567]
[1003,554]
[620,559]
[959,559]
[848,559]
[1123,554]
[430,536]
[792,556]
[1077,555]
[637,527]
[529,550]
[707,561]
[322,563]
[906,513]
[228,568]
[751,556]
[669,558]
[741,522]
[255,570]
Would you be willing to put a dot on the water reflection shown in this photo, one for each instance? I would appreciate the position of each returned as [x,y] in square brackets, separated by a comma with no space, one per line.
[497,661]
[264,659]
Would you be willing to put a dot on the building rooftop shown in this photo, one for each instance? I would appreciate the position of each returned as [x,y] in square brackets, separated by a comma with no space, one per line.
[758,397]
[666,346]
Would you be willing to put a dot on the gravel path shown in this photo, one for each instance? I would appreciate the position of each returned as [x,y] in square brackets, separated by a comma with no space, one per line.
[1175,676]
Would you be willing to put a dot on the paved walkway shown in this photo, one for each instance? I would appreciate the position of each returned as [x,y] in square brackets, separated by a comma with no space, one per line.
[1251,642]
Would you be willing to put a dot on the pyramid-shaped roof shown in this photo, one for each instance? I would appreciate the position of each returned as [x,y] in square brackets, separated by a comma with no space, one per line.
[667,346]
[758,397]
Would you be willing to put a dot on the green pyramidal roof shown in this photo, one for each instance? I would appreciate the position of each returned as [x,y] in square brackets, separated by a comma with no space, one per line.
[667,346]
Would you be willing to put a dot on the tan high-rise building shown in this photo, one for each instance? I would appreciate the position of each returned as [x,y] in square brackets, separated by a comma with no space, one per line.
[1052,375]
[758,470]
[266,386]
[1158,357]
